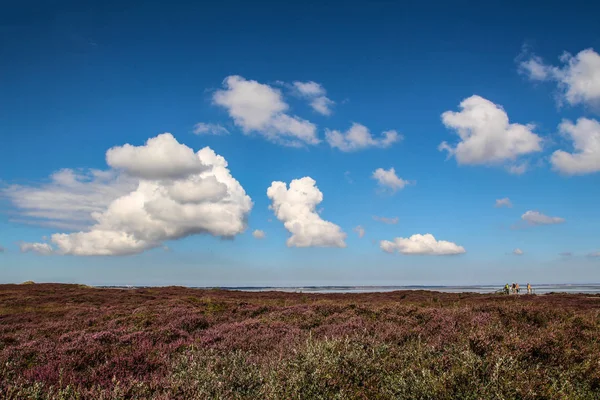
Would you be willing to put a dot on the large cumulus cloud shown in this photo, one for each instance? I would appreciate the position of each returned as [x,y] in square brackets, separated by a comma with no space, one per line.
[179,193]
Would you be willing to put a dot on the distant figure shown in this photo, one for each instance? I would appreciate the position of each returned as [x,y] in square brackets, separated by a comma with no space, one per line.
[513,288]
[517,288]
[528,288]
[506,289]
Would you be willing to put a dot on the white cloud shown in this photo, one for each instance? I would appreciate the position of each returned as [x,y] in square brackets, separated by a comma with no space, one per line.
[421,245]
[360,231]
[578,78]
[358,137]
[296,206]
[517,169]
[43,249]
[258,234]
[69,199]
[256,107]
[486,135]
[537,218]
[316,94]
[202,128]
[162,157]
[518,252]
[535,68]
[175,204]
[585,134]
[389,221]
[389,179]
[504,202]
[594,254]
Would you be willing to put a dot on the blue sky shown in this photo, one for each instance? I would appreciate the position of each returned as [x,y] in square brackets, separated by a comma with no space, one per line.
[79,79]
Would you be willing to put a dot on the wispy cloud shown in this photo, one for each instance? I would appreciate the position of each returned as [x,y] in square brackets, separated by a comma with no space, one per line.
[360,231]
[505,202]
[202,128]
[389,221]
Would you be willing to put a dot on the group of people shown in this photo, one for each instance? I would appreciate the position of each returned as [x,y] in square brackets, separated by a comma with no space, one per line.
[516,289]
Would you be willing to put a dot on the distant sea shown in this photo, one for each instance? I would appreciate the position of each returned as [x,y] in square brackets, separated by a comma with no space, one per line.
[538,288]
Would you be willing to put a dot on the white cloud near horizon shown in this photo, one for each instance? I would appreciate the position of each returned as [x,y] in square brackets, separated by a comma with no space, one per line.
[594,254]
[43,249]
[185,198]
[504,202]
[487,137]
[358,137]
[421,245]
[260,108]
[388,179]
[578,79]
[316,94]
[360,231]
[202,128]
[259,234]
[518,252]
[585,135]
[296,208]
[537,218]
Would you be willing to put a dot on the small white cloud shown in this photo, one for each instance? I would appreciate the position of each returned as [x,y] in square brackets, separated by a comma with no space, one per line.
[504,202]
[310,88]
[578,78]
[388,179]
[202,128]
[358,137]
[537,218]
[256,107]
[518,252]
[296,208]
[389,221]
[535,69]
[360,231]
[316,94]
[421,245]
[258,234]
[585,134]
[594,254]
[43,249]
[486,135]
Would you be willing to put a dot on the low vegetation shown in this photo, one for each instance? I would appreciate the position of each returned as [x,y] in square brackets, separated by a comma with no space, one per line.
[77,342]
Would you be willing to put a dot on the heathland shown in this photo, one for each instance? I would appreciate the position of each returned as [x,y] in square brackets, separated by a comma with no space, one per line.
[72,341]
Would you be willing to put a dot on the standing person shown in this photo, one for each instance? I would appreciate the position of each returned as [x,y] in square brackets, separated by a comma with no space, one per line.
[513,288]
[528,288]
[517,288]
[506,289]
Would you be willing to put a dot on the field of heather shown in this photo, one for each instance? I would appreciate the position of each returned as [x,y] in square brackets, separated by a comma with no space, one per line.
[70,341]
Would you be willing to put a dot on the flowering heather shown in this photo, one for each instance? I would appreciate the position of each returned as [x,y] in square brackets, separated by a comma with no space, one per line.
[71,341]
